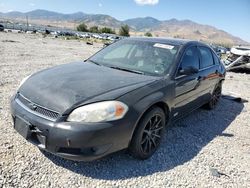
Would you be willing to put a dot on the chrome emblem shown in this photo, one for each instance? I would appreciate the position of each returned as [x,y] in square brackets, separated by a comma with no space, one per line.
[32,106]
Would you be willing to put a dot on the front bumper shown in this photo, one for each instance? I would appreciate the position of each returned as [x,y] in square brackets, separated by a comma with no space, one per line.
[71,140]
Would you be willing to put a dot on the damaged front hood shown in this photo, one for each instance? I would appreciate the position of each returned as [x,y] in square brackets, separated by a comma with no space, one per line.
[241,50]
[61,87]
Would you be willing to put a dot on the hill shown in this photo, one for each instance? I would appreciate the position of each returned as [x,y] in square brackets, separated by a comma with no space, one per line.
[166,28]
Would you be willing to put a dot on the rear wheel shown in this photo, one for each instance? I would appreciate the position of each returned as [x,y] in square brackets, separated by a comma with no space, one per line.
[148,134]
[215,98]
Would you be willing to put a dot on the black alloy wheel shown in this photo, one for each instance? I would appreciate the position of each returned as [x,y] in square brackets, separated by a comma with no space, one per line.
[214,99]
[148,134]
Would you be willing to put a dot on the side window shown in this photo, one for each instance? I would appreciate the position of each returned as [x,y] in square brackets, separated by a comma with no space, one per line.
[190,59]
[216,59]
[206,57]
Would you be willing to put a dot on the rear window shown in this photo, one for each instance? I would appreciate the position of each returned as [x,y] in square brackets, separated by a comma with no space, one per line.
[206,57]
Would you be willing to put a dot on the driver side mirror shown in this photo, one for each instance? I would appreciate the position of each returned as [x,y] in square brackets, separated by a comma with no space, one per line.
[188,70]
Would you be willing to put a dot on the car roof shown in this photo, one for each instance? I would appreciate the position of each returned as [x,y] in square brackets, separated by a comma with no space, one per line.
[174,41]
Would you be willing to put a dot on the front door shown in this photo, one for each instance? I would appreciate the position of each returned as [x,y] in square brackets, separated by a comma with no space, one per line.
[187,86]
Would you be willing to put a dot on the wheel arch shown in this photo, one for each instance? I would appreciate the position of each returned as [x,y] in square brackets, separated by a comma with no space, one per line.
[160,104]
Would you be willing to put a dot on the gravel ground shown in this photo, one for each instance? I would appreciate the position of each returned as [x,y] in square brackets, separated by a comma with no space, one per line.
[206,149]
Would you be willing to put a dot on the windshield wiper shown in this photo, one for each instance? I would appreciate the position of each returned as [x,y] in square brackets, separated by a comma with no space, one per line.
[94,62]
[118,68]
[128,70]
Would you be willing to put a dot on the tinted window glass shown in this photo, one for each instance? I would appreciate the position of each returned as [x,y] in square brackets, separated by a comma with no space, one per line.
[190,58]
[216,59]
[206,57]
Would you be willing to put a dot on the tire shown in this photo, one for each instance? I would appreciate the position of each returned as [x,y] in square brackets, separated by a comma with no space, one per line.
[148,134]
[215,98]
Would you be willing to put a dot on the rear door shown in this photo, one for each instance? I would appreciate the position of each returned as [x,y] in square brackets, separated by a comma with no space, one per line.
[209,73]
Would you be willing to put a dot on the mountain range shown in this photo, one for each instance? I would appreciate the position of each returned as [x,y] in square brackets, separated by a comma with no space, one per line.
[166,28]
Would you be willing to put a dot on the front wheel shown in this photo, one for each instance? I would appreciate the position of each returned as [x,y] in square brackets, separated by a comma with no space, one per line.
[148,134]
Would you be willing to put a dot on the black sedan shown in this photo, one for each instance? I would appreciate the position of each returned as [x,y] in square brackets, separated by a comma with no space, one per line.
[124,96]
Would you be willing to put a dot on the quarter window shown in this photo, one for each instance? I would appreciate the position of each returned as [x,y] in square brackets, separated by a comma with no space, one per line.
[206,57]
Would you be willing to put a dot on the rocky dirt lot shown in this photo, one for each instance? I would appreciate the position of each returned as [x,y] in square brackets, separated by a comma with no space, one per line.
[206,149]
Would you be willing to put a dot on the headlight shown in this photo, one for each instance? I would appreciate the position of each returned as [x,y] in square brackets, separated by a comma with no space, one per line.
[21,83]
[99,112]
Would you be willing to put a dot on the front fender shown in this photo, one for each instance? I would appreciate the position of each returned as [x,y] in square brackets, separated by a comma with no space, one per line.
[140,100]
[145,103]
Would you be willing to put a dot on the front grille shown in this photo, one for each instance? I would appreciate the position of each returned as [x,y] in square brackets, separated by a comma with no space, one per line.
[36,108]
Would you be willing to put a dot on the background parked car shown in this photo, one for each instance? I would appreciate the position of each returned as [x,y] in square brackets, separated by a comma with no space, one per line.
[1,27]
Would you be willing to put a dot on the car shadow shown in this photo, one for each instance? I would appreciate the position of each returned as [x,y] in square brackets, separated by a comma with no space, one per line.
[241,70]
[181,143]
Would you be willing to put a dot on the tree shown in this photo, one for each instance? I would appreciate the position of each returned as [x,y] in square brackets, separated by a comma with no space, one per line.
[148,34]
[124,31]
[107,30]
[82,27]
[94,29]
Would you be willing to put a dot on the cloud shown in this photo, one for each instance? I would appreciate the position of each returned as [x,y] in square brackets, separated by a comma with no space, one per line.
[146,2]
[32,4]
[100,4]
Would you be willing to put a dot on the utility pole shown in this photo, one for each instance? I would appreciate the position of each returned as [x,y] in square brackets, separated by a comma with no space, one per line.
[27,23]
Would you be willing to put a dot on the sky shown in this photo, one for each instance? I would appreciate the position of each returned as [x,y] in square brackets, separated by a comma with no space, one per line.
[232,16]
